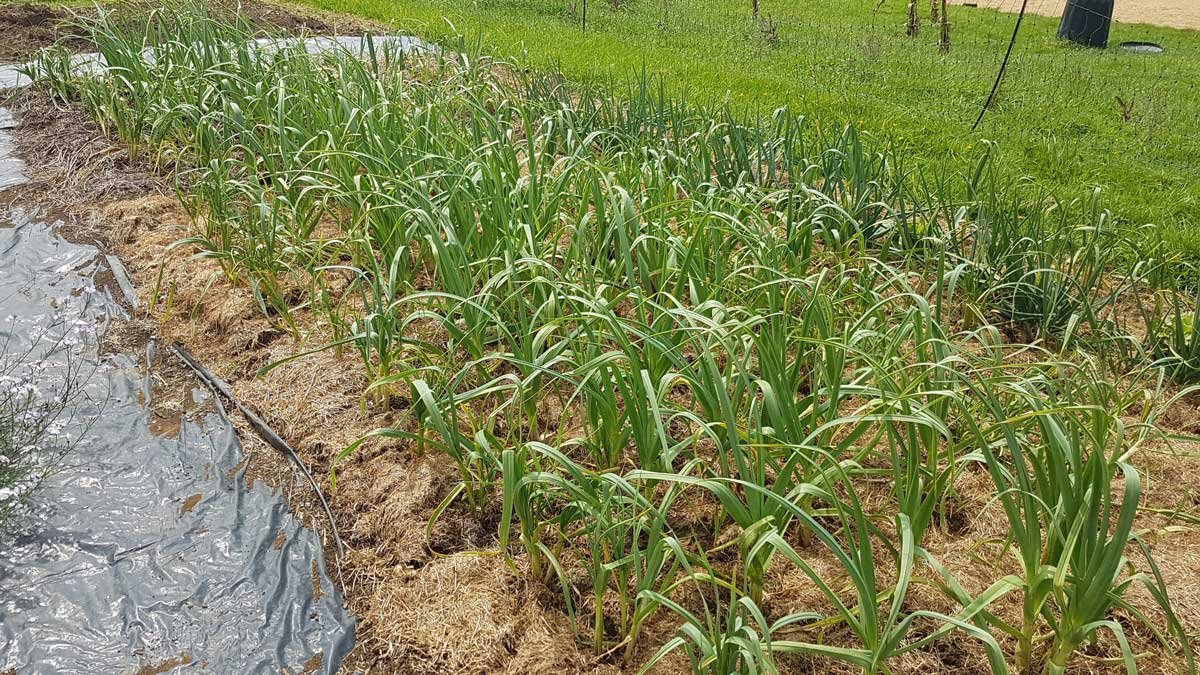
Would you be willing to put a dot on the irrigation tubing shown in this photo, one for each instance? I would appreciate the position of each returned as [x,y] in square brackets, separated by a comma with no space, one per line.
[1003,66]
[273,439]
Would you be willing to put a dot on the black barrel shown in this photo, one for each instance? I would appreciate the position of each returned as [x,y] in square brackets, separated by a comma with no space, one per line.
[1086,22]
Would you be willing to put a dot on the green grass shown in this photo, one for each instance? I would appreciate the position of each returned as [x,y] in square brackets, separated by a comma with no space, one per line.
[1057,118]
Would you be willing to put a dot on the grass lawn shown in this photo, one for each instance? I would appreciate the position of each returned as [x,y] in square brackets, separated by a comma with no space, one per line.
[1069,119]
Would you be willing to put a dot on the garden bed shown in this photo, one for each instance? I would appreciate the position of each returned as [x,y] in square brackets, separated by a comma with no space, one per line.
[425,572]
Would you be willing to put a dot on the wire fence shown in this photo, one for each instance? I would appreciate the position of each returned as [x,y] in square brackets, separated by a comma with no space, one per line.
[867,50]
[1072,117]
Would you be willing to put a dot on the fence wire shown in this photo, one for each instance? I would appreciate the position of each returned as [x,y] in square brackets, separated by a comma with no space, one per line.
[1080,116]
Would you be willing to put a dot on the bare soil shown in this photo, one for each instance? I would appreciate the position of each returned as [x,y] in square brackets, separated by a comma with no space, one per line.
[26,28]
[441,599]
[1169,13]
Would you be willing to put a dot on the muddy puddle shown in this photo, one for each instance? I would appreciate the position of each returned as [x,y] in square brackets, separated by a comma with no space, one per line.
[146,552]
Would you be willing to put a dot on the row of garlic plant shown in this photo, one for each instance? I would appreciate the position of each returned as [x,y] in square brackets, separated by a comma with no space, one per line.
[602,303]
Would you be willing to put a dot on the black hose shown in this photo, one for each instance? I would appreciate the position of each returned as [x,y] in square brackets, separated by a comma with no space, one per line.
[273,439]
[1003,66]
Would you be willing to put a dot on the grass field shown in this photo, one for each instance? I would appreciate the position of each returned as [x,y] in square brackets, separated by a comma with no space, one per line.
[1070,119]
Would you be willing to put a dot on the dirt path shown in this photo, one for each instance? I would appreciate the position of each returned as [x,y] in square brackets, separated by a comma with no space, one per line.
[1169,13]
[26,28]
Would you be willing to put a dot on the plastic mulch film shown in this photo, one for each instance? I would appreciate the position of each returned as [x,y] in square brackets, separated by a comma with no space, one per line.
[144,553]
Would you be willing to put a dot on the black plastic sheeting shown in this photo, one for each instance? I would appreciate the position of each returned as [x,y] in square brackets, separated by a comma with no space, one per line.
[147,554]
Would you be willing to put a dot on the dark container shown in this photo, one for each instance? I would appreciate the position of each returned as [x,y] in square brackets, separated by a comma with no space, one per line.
[1086,22]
